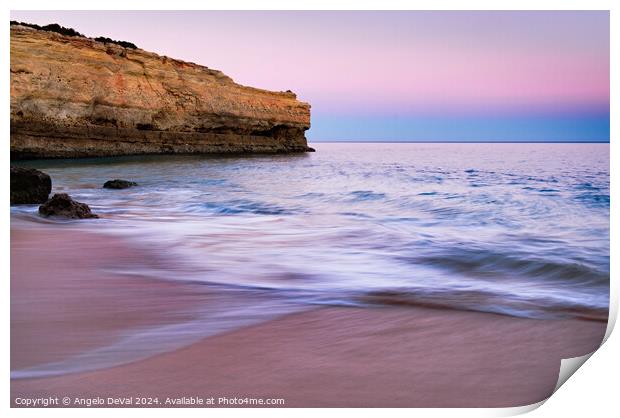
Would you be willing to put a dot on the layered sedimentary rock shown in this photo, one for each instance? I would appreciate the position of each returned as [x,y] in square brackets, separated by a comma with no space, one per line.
[76,97]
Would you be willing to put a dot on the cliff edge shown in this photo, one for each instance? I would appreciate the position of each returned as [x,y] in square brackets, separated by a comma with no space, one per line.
[76,97]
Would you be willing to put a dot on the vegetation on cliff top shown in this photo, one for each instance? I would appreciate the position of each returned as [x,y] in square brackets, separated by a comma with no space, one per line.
[55,27]
[124,44]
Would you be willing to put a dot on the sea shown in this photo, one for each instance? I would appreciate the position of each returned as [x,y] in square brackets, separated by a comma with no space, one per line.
[519,229]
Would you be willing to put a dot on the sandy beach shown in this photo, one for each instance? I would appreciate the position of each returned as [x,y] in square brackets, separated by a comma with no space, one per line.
[326,357]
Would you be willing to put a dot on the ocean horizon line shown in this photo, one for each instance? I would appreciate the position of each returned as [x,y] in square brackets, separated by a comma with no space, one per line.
[453,142]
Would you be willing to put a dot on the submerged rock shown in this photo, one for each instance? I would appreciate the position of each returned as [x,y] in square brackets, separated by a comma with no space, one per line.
[29,186]
[119,184]
[61,204]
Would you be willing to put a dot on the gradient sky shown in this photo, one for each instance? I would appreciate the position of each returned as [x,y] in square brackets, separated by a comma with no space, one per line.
[407,75]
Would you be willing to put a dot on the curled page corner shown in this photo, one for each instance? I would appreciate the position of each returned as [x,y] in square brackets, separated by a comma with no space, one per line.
[569,366]
[519,410]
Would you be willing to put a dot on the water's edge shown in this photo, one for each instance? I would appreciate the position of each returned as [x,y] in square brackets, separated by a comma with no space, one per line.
[512,229]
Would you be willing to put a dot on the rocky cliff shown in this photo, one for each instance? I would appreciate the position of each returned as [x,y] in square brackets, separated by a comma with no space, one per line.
[76,97]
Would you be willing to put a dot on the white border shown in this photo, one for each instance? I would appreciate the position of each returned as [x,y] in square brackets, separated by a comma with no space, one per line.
[592,392]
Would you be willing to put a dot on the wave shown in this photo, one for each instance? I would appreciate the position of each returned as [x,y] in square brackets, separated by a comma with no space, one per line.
[494,264]
[479,300]
[363,195]
[242,206]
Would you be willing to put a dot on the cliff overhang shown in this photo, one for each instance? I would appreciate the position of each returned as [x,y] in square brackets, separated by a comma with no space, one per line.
[73,96]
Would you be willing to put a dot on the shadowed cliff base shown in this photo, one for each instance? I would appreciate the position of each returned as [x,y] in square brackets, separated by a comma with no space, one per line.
[43,140]
[73,96]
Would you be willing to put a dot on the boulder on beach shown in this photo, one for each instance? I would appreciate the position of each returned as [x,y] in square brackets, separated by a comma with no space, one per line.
[29,186]
[61,204]
[119,184]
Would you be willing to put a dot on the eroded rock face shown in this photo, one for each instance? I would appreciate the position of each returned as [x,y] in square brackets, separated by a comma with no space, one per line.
[75,97]
[62,205]
[119,184]
[29,186]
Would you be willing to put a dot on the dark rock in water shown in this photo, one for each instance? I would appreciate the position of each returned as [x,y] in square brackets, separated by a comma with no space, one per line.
[61,204]
[29,186]
[118,184]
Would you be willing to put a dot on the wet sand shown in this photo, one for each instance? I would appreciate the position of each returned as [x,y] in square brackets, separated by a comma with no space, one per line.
[327,357]
[65,297]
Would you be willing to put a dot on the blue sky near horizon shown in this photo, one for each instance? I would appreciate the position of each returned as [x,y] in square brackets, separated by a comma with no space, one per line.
[581,128]
[396,75]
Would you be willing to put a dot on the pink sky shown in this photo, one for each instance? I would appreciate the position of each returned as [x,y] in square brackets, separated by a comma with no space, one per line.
[377,64]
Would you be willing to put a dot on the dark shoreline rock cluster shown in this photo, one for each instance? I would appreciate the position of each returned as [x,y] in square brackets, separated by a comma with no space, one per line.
[61,204]
[31,186]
